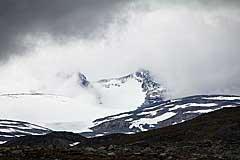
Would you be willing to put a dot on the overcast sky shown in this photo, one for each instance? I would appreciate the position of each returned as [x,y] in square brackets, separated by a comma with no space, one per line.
[60,18]
[191,46]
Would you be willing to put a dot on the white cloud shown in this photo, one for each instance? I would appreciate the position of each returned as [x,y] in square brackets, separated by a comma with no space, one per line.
[192,50]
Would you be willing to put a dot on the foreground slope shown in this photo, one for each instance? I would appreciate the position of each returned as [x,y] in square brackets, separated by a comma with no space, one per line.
[214,135]
[53,139]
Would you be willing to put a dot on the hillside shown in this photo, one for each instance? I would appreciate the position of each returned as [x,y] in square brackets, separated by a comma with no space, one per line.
[161,114]
[214,135]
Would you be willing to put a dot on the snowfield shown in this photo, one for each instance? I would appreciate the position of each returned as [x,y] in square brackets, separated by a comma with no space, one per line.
[47,110]
[115,94]
[150,121]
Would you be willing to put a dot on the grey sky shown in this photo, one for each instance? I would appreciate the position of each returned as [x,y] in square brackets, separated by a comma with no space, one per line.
[60,18]
[191,45]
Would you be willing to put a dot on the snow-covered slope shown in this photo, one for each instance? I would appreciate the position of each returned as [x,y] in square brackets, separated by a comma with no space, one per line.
[47,109]
[161,114]
[10,129]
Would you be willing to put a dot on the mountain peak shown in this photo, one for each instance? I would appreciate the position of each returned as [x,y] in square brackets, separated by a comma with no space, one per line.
[147,80]
[142,73]
[153,90]
[141,86]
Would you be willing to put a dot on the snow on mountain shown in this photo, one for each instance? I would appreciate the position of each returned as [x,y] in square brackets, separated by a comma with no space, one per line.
[161,114]
[77,101]
[113,95]
[135,90]
[47,109]
[10,129]
[126,92]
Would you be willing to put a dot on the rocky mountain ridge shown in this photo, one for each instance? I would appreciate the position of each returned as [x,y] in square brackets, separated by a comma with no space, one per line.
[153,90]
[161,114]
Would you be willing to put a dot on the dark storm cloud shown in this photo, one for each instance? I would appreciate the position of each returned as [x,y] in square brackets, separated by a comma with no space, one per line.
[59,18]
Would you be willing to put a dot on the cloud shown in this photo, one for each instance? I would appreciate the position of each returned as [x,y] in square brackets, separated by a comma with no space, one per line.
[191,47]
[59,18]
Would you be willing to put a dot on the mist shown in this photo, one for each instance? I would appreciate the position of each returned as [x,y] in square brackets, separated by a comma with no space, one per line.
[190,47]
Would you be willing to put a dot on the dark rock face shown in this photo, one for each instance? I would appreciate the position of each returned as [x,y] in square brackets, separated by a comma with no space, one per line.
[82,80]
[162,114]
[154,91]
[213,136]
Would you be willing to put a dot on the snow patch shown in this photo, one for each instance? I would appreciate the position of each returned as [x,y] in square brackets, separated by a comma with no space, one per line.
[99,135]
[74,144]
[178,106]
[152,113]
[202,104]
[7,130]
[150,121]
[178,122]
[222,98]
[193,105]
[112,118]
[129,119]
[2,142]
[201,111]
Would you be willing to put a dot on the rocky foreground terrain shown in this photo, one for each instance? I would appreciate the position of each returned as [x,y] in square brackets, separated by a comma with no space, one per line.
[215,135]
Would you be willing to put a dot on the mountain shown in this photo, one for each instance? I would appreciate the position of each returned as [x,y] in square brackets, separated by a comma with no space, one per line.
[75,94]
[213,136]
[140,85]
[144,82]
[161,114]
[113,95]
[135,102]
[10,129]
